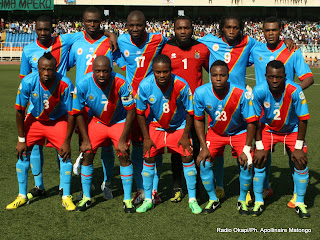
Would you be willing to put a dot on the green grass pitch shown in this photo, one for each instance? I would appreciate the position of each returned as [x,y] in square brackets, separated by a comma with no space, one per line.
[45,218]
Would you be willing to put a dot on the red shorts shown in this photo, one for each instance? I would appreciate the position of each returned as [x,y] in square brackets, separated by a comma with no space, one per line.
[216,143]
[167,139]
[220,153]
[54,131]
[269,140]
[101,134]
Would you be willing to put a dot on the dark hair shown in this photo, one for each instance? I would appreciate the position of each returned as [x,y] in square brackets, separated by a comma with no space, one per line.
[161,59]
[136,13]
[93,9]
[49,57]
[272,20]
[219,63]
[183,18]
[223,22]
[275,64]
[44,18]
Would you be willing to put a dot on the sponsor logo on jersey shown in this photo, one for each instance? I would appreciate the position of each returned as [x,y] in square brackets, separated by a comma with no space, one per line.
[197,55]
[91,97]
[215,47]
[151,99]
[104,96]
[271,58]
[266,104]
[138,52]
[79,51]
[45,95]
[35,58]
[301,96]
[220,107]
[91,49]
[126,53]
[173,55]
[276,104]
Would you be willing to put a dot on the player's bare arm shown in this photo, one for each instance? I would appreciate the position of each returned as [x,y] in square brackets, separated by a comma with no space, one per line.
[21,145]
[123,146]
[65,150]
[245,157]
[147,143]
[184,140]
[307,82]
[298,155]
[112,40]
[260,155]
[204,152]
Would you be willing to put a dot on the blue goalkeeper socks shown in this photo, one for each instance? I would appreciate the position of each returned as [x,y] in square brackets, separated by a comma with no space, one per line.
[126,174]
[22,168]
[86,180]
[207,178]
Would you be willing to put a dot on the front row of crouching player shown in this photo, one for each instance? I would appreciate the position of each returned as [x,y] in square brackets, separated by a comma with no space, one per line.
[165,107]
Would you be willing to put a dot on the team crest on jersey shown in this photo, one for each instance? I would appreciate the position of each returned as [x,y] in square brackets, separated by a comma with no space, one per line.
[151,99]
[126,53]
[266,104]
[209,107]
[35,94]
[19,88]
[197,55]
[260,58]
[35,58]
[247,95]
[301,96]
[91,97]
[215,47]
[79,51]
[173,55]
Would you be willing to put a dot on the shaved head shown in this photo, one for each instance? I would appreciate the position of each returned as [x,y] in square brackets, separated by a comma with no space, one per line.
[136,14]
[101,61]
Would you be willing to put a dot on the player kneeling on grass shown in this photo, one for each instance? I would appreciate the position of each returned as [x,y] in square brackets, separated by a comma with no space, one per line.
[51,96]
[284,120]
[233,123]
[170,100]
[109,97]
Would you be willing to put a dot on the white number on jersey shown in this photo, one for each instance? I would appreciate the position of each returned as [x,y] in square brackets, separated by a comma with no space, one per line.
[166,108]
[277,114]
[46,104]
[140,61]
[90,59]
[227,57]
[185,63]
[221,116]
[105,105]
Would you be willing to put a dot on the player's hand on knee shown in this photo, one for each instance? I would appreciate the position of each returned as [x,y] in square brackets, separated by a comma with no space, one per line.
[243,160]
[299,156]
[85,146]
[65,151]
[123,150]
[147,145]
[259,157]
[21,148]
[186,144]
[204,154]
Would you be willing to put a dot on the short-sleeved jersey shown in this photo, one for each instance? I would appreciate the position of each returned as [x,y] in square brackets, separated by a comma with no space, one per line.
[48,103]
[108,104]
[188,62]
[237,57]
[139,58]
[59,48]
[84,51]
[230,114]
[293,61]
[281,114]
[168,107]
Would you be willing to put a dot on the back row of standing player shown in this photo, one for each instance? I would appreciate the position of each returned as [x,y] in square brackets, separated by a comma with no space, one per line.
[188,56]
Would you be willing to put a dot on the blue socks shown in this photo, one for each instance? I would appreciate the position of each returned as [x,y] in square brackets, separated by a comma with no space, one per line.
[157,172]
[22,168]
[266,183]
[207,178]
[107,159]
[36,162]
[245,179]
[218,170]
[258,179]
[301,179]
[86,180]
[190,174]
[137,162]
[148,173]
[65,176]
[126,177]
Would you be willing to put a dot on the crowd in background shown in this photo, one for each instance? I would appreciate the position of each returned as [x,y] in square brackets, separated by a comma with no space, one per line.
[301,31]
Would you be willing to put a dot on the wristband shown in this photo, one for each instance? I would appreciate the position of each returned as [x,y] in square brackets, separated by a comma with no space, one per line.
[21,139]
[246,151]
[299,144]
[259,145]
